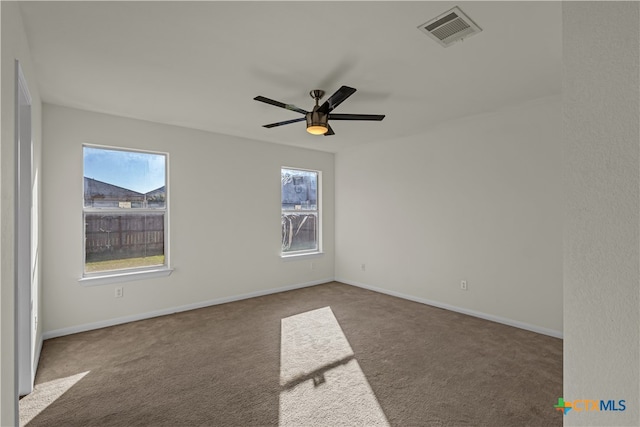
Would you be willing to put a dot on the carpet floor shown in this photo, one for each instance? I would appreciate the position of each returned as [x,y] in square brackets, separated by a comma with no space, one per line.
[330,354]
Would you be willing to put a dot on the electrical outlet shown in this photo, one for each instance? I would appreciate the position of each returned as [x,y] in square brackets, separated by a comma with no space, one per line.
[363,267]
[463,285]
[119,292]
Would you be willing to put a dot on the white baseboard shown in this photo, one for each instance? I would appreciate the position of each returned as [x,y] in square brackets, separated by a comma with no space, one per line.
[202,304]
[163,312]
[491,317]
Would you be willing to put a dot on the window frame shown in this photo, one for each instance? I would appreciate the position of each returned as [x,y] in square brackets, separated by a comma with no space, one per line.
[134,273]
[317,211]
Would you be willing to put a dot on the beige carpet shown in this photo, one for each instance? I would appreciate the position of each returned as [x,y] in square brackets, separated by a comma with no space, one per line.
[44,395]
[323,384]
[327,355]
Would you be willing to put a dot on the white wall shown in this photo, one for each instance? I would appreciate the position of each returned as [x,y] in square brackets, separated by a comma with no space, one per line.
[601,101]
[477,199]
[224,195]
[14,46]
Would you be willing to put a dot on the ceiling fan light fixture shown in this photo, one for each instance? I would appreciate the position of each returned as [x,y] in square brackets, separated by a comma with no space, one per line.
[317,130]
[317,123]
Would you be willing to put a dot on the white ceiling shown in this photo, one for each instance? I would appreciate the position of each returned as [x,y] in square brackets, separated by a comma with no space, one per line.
[200,64]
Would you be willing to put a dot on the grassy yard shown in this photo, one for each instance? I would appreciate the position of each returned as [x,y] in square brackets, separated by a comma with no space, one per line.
[117,264]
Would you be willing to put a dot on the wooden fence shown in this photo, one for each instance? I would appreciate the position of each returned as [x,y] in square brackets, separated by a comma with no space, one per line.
[130,235]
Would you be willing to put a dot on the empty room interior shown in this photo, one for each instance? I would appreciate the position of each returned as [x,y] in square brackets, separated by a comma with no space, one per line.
[320,213]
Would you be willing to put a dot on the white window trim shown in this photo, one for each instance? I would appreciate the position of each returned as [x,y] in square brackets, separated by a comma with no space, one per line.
[121,276]
[310,252]
[297,255]
[130,274]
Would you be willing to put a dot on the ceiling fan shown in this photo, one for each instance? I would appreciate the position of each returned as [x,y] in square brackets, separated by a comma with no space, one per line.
[318,118]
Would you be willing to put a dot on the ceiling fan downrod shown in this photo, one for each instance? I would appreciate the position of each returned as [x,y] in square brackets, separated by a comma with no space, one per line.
[316,94]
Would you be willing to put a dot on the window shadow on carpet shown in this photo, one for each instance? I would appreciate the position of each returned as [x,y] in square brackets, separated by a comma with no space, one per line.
[322,383]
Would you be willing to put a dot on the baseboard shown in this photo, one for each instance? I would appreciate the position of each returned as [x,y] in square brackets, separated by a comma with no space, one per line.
[485,316]
[201,304]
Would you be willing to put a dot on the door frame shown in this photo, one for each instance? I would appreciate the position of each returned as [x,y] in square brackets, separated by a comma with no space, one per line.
[26,319]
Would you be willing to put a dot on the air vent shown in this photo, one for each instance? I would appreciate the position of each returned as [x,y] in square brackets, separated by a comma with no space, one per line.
[450,27]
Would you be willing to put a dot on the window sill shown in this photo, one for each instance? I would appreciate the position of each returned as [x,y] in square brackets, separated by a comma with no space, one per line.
[129,276]
[292,257]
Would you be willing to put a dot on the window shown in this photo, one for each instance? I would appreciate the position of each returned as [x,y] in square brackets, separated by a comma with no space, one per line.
[300,211]
[124,211]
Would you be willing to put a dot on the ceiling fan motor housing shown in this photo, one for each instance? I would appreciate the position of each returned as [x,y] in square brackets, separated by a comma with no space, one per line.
[317,119]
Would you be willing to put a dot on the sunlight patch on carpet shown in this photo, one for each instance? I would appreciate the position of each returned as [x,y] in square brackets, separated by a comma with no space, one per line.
[44,395]
[321,381]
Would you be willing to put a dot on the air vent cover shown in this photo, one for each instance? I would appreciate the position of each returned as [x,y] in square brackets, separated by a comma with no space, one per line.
[450,27]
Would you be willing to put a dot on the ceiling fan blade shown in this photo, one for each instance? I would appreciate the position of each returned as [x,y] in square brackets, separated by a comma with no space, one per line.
[336,99]
[330,131]
[286,122]
[374,117]
[280,104]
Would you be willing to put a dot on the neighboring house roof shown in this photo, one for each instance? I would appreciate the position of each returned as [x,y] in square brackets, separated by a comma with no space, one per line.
[94,189]
[157,192]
